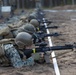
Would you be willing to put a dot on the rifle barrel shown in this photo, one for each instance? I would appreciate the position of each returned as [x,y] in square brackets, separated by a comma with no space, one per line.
[44,49]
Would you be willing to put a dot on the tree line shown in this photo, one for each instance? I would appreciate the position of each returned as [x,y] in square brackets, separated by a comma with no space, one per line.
[32,3]
[52,3]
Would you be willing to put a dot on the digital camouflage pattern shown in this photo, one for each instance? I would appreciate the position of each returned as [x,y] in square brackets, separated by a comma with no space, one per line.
[14,57]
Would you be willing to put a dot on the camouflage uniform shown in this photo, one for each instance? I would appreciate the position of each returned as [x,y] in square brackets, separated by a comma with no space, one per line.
[14,57]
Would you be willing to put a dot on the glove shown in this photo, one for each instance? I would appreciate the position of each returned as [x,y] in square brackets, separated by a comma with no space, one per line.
[38,57]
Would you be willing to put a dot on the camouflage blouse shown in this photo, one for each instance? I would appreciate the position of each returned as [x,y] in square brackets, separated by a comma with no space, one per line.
[14,57]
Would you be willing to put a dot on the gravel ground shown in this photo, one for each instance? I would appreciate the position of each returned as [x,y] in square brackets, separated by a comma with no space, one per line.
[66,59]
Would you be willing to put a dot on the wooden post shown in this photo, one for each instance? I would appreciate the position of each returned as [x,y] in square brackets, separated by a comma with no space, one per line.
[0,9]
[38,3]
[41,3]
[72,2]
[18,5]
[51,3]
[23,4]
[4,2]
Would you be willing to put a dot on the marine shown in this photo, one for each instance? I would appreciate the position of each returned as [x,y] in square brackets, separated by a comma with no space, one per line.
[12,54]
[9,31]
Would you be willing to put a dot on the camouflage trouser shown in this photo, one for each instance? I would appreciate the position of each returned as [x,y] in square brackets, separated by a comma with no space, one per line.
[14,57]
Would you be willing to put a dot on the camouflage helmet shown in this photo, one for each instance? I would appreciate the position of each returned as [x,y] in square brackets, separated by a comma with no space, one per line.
[34,22]
[23,39]
[29,28]
[32,16]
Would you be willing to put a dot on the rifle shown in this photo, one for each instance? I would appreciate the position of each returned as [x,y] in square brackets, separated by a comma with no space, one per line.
[43,28]
[40,36]
[42,47]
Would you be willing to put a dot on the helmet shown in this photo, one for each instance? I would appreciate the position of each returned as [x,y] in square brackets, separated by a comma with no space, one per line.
[32,16]
[15,32]
[21,29]
[34,22]
[29,28]
[23,39]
